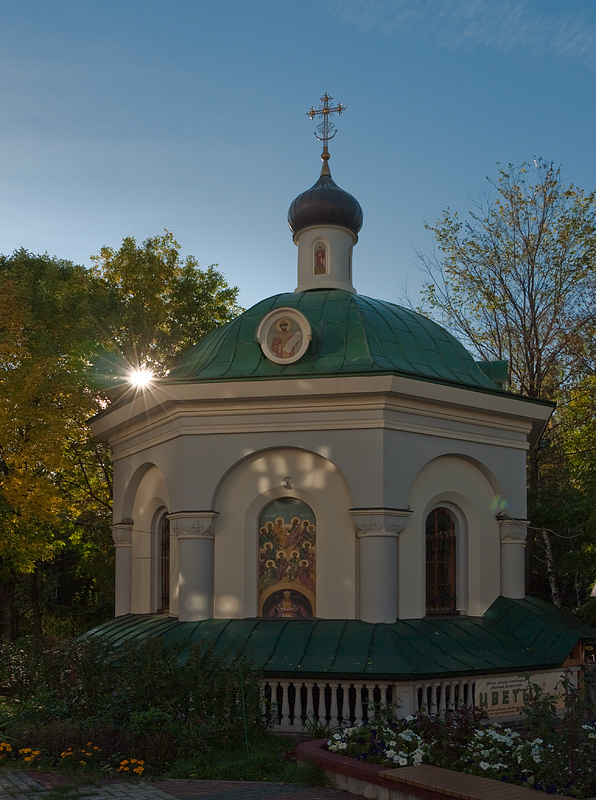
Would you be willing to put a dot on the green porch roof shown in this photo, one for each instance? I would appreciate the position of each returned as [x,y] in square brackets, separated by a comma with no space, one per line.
[352,334]
[513,636]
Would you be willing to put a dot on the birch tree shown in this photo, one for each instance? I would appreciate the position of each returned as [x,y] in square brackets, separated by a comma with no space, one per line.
[508,277]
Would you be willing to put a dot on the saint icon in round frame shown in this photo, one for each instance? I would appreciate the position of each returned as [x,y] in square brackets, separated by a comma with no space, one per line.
[284,335]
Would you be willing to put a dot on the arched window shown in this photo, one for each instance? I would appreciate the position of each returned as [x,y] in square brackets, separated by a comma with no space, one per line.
[441,562]
[163,555]
[287,559]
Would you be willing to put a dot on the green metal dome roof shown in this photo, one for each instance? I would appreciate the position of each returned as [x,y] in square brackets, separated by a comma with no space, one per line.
[351,335]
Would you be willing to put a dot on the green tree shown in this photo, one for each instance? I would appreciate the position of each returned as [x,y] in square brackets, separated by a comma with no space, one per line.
[571,461]
[47,335]
[161,303]
[507,278]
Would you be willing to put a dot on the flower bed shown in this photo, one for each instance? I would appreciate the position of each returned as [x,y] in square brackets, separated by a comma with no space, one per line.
[70,760]
[560,761]
[406,783]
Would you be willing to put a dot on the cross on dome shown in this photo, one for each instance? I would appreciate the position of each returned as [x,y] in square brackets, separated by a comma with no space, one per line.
[326,128]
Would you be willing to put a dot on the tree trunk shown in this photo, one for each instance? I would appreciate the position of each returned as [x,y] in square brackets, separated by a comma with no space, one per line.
[534,471]
[529,562]
[7,593]
[550,569]
[35,607]
[533,483]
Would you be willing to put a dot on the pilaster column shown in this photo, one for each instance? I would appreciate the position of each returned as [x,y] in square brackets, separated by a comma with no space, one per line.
[194,533]
[122,536]
[377,532]
[513,542]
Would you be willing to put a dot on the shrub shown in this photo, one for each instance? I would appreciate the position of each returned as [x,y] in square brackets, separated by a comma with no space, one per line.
[155,700]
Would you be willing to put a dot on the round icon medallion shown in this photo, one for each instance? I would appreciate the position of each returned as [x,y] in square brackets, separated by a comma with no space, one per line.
[284,335]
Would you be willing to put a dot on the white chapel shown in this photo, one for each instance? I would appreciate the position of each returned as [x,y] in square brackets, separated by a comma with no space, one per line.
[334,482]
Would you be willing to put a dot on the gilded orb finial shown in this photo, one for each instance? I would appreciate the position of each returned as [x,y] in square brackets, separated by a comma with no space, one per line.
[325,128]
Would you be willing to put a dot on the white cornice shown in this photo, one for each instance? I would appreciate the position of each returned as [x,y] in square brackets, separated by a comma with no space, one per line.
[341,403]
[126,449]
[382,414]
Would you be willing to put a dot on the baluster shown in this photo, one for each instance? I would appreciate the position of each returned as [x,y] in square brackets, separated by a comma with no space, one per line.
[465,694]
[309,710]
[434,698]
[298,703]
[450,700]
[383,697]
[358,710]
[441,698]
[457,694]
[418,698]
[426,698]
[341,695]
[333,711]
[460,694]
[284,721]
[438,697]
[366,704]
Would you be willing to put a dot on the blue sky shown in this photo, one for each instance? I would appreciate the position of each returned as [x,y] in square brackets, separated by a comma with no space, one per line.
[125,117]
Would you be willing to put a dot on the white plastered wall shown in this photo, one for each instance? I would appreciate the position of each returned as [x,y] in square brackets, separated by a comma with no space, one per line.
[150,496]
[245,491]
[340,242]
[460,485]
[383,468]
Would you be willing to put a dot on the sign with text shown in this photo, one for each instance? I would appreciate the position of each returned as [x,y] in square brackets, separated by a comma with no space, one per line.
[506,695]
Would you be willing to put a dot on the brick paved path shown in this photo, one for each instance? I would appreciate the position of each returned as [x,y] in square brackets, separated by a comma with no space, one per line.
[21,786]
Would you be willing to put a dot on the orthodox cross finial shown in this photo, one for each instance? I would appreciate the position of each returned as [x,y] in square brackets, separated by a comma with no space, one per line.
[326,128]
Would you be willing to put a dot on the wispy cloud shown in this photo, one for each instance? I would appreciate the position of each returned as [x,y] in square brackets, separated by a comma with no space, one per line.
[504,25]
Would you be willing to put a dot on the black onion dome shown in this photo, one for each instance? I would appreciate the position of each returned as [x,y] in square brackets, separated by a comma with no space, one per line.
[325,204]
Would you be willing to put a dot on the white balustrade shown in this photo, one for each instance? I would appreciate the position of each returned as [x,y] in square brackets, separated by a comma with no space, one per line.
[290,705]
